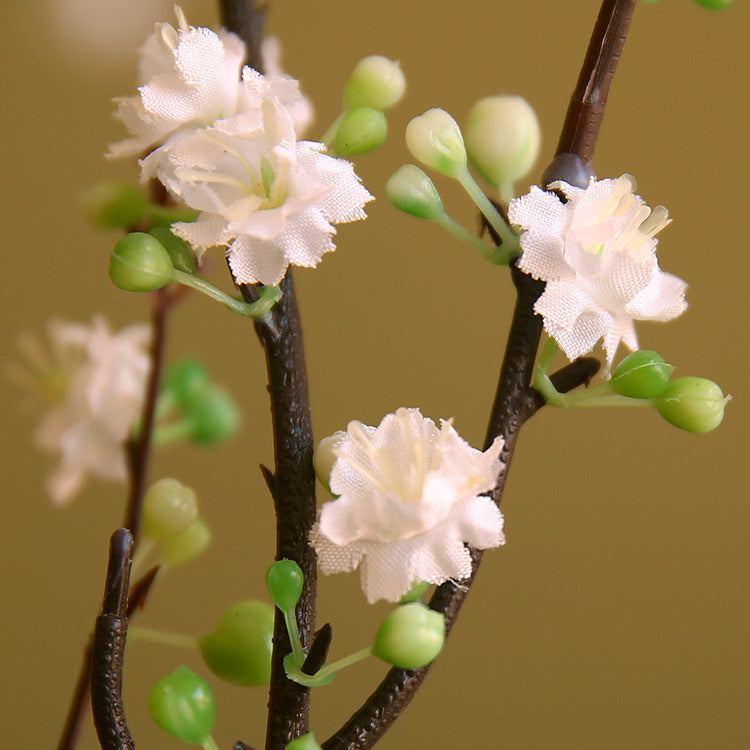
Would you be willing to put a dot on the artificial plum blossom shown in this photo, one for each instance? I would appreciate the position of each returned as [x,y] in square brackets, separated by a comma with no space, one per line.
[409,501]
[597,253]
[191,77]
[92,383]
[269,199]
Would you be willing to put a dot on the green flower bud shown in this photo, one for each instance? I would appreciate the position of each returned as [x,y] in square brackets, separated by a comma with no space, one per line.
[284,581]
[375,82]
[410,190]
[114,205]
[410,637]
[714,4]
[305,742]
[692,404]
[186,380]
[183,705]
[213,416]
[642,374]
[239,648]
[180,253]
[169,507]
[324,457]
[360,130]
[434,138]
[139,263]
[186,544]
[503,138]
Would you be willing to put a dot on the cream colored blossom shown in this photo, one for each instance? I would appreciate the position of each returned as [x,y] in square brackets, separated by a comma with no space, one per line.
[410,500]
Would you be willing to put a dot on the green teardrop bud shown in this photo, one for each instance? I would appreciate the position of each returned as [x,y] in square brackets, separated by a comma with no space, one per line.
[435,139]
[360,130]
[714,4]
[375,82]
[180,253]
[324,456]
[139,263]
[239,648]
[186,544]
[692,404]
[642,374]
[503,138]
[186,380]
[183,705]
[305,742]
[169,507]
[410,190]
[114,205]
[410,637]
[213,416]
[284,580]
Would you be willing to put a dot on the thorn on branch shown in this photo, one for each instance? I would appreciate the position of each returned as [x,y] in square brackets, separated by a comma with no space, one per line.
[318,653]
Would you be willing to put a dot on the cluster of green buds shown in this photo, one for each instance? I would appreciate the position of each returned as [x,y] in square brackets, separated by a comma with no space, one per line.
[643,378]
[192,407]
[145,262]
[375,85]
[410,637]
[502,143]
[171,520]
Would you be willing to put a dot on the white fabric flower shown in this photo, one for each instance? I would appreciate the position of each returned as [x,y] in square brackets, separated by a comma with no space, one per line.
[269,199]
[92,382]
[597,253]
[409,501]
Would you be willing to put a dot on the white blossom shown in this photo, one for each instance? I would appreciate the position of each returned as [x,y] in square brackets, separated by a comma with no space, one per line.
[92,383]
[410,500]
[597,253]
[269,199]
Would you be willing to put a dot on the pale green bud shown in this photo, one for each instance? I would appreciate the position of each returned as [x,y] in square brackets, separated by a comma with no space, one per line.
[434,138]
[186,544]
[139,263]
[305,742]
[360,130]
[169,507]
[692,404]
[503,138]
[410,190]
[375,82]
[324,456]
[642,374]
[410,637]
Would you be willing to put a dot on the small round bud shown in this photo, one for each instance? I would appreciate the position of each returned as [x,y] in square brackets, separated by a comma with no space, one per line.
[169,507]
[642,374]
[692,404]
[183,705]
[410,637]
[714,4]
[375,82]
[186,544]
[284,581]
[239,648]
[114,205]
[305,742]
[360,130]
[324,457]
[502,138]
[180,253]
[186,380]
[139,263]
[410,190]
[213,416]
[434,138]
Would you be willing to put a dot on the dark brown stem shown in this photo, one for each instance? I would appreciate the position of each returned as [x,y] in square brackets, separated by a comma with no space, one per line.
[515,400]
[246,19]
[109,648]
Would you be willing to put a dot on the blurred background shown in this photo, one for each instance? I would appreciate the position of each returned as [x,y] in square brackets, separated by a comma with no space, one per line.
[616,615]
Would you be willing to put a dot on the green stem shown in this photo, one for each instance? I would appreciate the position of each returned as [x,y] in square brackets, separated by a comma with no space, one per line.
[506,192]
[346,661]
[210,744]
[330,134]
[160,636]
[269,295]
[291,628]
[171,214]
[172,432]
[497,255]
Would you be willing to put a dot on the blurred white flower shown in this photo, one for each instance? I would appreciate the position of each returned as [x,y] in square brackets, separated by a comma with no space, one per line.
[91,382]
[409,502]
[597,253]
[269,199]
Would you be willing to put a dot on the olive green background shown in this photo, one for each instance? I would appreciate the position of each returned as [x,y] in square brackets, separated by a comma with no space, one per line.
[616,615]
